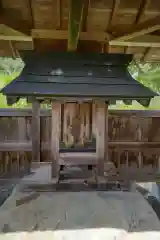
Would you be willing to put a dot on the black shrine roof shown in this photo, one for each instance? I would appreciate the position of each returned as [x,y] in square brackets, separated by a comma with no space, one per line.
[76,75]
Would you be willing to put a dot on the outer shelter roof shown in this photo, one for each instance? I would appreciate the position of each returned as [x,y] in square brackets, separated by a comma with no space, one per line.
[112,26]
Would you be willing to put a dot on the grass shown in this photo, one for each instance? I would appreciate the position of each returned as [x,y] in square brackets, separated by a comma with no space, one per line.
[4,80]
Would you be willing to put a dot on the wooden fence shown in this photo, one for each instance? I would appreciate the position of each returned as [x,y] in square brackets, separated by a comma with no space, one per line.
[134,137]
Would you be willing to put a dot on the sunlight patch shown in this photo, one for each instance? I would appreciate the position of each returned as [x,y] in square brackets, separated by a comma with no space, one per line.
[79,234]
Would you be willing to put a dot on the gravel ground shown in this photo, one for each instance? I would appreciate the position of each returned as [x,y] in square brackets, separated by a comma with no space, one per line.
[76,215]
[5,191]
[81,215]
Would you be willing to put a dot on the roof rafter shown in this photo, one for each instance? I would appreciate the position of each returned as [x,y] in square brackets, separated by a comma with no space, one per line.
[143,6]
[142,41]
[9,34]
[14,23]
[114,10]
[140,29]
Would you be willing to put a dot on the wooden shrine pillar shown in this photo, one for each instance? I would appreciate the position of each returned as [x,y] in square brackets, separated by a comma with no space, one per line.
[35,131]
[55,137]
[101,136]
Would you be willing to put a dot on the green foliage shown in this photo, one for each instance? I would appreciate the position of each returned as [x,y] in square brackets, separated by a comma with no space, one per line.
[147,74]
[10,66]
[4,80]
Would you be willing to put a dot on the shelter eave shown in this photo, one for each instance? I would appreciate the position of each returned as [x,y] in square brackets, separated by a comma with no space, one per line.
[144,99]
[12,99]
[49,89]
[78,76]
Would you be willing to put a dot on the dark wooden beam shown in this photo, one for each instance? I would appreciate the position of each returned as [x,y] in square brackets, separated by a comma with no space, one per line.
[59,15]
[110,36]
[36,131]
[85,15]
[15,23]
[30,4]
[113,11]
[75,23]
[143,6]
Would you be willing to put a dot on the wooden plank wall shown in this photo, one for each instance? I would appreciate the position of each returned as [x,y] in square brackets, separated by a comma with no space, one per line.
[125,128]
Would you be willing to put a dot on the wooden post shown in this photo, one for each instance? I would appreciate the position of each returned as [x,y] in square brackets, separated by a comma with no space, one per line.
[22,138]
[55,137]
[158,170]
[101,136]
[36,131]
[75,22]
[139,138]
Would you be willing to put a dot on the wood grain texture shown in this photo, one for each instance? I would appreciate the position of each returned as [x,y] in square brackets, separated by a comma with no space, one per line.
[101,136]
[55,137]
[36,131]
[48,22]
[125,147]
[69,115]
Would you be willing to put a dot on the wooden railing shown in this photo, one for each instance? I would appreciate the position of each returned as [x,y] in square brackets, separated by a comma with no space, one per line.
[136,133]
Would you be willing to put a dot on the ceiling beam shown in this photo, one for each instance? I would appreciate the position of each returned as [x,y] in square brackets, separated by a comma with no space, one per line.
[63,35]
[52,34]
[13,22]
[142,41]
[85,15]
[59,13]
[115,6]
[140,29]
[76,11]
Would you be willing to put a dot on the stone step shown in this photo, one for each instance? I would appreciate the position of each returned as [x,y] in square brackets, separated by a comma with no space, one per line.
[71,173]
[72,186]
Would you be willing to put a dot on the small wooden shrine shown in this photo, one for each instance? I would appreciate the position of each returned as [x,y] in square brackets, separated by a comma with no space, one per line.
[75,78]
